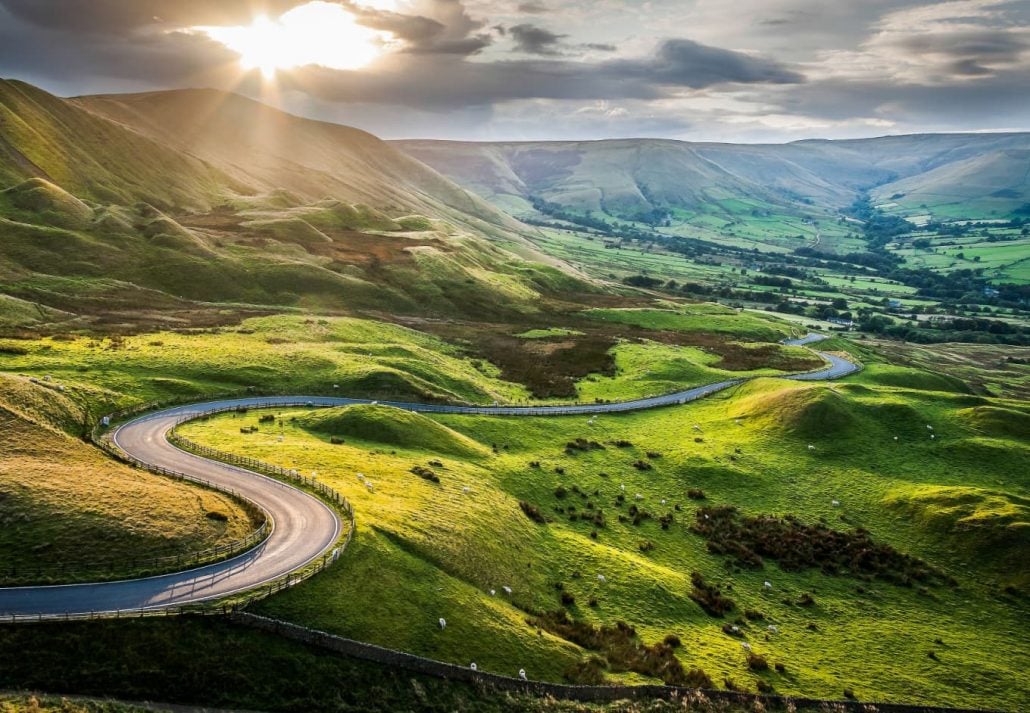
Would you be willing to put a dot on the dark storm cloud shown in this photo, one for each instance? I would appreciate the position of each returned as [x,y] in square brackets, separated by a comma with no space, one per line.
[532,39]
[451,83]
[429,27]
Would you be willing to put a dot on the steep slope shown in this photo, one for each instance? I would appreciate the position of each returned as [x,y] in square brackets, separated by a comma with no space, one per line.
[42,136]
[273,150]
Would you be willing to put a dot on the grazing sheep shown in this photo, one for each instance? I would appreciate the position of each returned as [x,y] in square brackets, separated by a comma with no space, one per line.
[507,589]
[522,674]
[374,403]
[473,666]
[811,447]
[929,427]
[895,438]
[361,477]
[493,592]
[745,645]
[835,503]
[443,623]
[767,584]
[697,427]
[638,496]
[663,501]
[466,490]
[369,486]
[601,578]
[735,629]
[773,629]
[932,436]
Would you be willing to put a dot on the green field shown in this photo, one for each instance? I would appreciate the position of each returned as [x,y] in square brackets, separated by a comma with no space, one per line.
[426,550]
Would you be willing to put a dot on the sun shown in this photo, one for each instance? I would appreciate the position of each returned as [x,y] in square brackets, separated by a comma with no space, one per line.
[318,33]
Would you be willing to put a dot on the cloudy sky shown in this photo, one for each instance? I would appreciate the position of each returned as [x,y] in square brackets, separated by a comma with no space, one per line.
[738,70]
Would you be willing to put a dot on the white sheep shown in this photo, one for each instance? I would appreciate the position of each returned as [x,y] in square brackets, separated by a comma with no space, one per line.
[663,501]
[835,503]
[473,666]
[929,427]
[466,490]
[745,645]
[932,436]
[507,589]
[767,584]
[895,438]
[369,486]
[773,629]
[622,487]
[697,427]
[493,592]
[443,623]
[811,447]
[638,496]
[601,578]
[522,674]
[374,403]
[361,477]
[735,629]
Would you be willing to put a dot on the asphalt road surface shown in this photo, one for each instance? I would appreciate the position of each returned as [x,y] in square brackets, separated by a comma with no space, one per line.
[304,529]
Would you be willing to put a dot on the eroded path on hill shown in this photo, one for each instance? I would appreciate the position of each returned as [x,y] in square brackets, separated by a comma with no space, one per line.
[304,528]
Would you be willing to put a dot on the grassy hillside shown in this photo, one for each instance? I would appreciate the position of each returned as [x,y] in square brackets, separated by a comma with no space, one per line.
[70,513]
[560,501]
[42,136]
[765,194]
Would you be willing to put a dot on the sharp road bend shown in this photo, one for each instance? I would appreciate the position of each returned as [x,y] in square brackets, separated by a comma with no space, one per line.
[303,527]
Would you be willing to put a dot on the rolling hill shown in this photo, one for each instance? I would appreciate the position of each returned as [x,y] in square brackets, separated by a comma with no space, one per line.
[694,182]
[192,207]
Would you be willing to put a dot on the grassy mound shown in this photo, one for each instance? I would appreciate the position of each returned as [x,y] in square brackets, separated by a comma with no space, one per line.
[333,214]
[994,524]
[997,421]
[801,411]
[910,378]
[71,513]
[393,427]
[290,230]
[48,204]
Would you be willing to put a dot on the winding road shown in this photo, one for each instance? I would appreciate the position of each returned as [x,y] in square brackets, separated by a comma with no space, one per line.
[304,529]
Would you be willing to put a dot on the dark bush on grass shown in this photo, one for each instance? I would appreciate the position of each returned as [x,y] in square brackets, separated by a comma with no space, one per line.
[533,512]
[764,686]
[623,651]
[666,520]
[436,464]
[709,597]
[425,474]
[730,685]
[582,445]
[267,418]
[754,615]
[646,546]
[673,641]
[622,444]
[642,465]
[560,492]
[653,455]
[638,515]
[567,599]
[217,516]
[534,464]
[696,494]
[756,662]
[587,673]
[559,470]
[796,546]
[336,440]
[732,630]
[780,668]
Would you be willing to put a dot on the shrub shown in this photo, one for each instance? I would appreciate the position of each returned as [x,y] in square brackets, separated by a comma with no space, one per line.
[425,474]
[849,694]
[567,599]
[780,668]
[646,546]
[709,597]
[560,492]
[532,512]
[653,455]
[797,546]
[673,641]
[436,464]
[756,662]
[642,465]
[754,615]
[217,516]
[696,494]
[587,673]
[764,686]
[336,440]
[267,418]
[622,444]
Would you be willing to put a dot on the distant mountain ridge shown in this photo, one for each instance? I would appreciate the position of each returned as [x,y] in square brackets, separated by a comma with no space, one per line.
[623,177]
